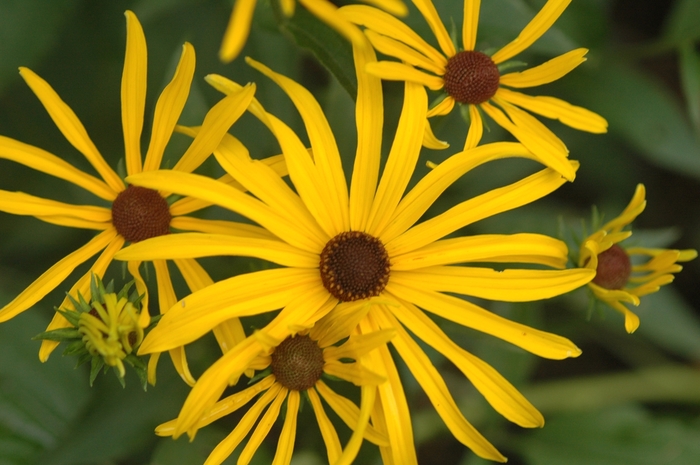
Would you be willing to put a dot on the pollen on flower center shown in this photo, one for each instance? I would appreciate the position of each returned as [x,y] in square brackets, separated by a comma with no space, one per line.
[471,77]
[354,266]
[614,268]
[139,213]
[297,363]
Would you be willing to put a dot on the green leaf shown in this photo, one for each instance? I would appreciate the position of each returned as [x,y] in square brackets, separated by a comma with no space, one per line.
[683,23]
[690,79]
[622,435]
[329,47]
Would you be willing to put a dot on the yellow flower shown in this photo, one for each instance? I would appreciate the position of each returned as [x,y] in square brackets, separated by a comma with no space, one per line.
[619,278]
[242,17]
[294,367]
[472,78]
[361,246]
[135,213]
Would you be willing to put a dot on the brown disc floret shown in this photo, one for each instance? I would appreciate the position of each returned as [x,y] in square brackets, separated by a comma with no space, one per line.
[614,268]
[471,77]
[139,213]
[354,266]
[297,363]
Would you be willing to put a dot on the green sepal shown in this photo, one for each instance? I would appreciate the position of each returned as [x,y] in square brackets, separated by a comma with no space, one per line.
[83,358]
[122,381]
[73,317]
[61,334]
[257,377]
[75,348]
[140,368]
[96,364]
[510,64]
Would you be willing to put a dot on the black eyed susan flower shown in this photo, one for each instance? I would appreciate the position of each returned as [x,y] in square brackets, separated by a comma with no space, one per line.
[619,277]
[361,245]
[473,78]
[135,213]
[242,17]
[291,371]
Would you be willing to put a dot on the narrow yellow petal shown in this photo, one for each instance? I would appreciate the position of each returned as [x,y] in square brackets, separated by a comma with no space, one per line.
[470,24]
[547,72]
[495,388]
[514,248]
[507,285]
[285,443]
[369,394]
[237,30]
[443,108]
[432,142]
[73,222]
[140,285]
[189,223]
[133,93]
[476,128]
[330,436]
[263,428]
[55,275]
[550,107]
[402,159]
[358,345]
[228,87]
[71,127]
[385,24]
[19,203]
[216,123]
[533,31]
[430,14]
[328,13]
[435,388]
[169,107]
[353,373]
[631,211]
[395,7]
[392,47]
[460,311]
[394,71]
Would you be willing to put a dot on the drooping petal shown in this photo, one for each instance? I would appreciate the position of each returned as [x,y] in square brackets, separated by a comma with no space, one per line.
[369,394]
[550,107]
[333,187]
[460,311]
[237,30]
[328,432]
[476,128]
[427,9]
[496,248]
[488,204]
[169,107]
[133,94]
[533,31]
[227,197]
[394,71]
[497,390]
[195,245]
[435,388]
[263,428]
[443,108]
[432,142]
[547,72]
[392,47]
[328,13]
[71,128]
[285,443]
[470,23]
[19,203]
[55,275]
[631,211]
[402,158]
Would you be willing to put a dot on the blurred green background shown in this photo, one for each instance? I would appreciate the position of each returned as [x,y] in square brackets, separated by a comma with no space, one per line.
[629,399]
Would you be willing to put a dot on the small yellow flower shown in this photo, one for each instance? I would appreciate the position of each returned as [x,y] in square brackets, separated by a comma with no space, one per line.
[618,277]
[472,78]
[242,17]
[135,213]
[294,368]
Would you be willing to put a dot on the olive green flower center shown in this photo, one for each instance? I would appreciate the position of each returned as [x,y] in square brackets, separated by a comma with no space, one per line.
[297,363]
[471,77]
[614,268]
[354,266]
[139,213]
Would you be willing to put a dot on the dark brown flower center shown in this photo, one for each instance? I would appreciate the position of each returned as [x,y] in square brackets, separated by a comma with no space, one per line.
[139,213]
[297,363]
[354,266]
[614,268]
[471,77]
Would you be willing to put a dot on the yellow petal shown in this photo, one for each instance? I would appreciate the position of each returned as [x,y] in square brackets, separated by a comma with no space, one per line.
[514,248]
[547,72]
[19,203]
[133,93]
[533,31]
[263,428]
[392,47]
[387,25]
[330,436]
[169,107]
[476,128]
[285,443]
[394,71]
[491,203]
[631,211]
[237,30]
[427,9]
[228,87]
[73,222]
[432,142]
[460,311]
[435,388]
[443,108]
[231,228]
[140,285]
[470,24]
[55,275]
[358,345]
[71,127]
[395,7]
[402,158]
[369,394]
[550,107]
[502,395]
[216,123]
[353,373]
[328,13]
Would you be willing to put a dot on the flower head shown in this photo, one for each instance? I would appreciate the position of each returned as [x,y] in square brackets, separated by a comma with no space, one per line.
[473,78]
[242,17]
[135,213]
[361,246]
[619,277]
[292,370]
